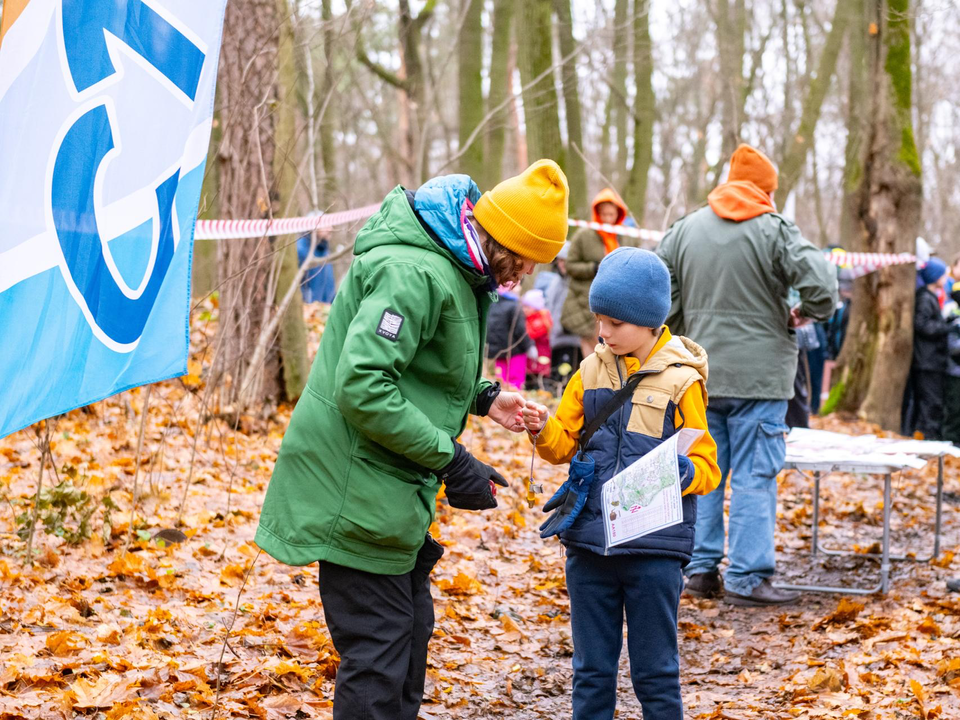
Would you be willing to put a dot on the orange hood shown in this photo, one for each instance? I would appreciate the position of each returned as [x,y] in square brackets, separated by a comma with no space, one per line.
[740,200]
[610,241]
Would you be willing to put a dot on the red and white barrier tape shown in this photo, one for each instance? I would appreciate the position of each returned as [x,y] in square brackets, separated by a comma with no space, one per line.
[229,229]
[871,260]
[643,234]
[841,259]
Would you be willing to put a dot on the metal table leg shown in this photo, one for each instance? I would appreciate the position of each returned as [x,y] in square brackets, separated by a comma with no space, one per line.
[885,560]
[815,543]
[936,536]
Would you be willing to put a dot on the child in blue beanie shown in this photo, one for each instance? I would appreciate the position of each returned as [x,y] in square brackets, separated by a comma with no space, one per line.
[643,578]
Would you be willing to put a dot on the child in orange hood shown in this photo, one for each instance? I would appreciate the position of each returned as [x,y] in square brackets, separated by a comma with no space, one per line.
[587,248]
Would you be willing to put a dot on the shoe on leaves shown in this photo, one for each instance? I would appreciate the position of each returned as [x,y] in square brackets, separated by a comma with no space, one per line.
[763,595]
[704,585]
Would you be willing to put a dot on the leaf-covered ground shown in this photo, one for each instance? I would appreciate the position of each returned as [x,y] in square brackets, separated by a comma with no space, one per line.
[123,625]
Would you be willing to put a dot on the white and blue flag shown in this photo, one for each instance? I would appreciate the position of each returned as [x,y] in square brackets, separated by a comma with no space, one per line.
[105,115]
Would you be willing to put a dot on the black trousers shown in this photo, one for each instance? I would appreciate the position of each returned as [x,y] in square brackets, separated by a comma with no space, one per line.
[380,626]
[951,410]
[928,402]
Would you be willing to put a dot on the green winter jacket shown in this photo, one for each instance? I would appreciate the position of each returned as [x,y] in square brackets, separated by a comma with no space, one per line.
[729,283]
[397,371]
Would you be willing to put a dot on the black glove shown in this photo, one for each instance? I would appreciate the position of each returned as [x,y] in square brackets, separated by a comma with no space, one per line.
[430,553]
[470,483]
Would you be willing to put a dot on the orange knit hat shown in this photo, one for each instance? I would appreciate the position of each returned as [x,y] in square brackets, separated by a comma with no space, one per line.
[751,165]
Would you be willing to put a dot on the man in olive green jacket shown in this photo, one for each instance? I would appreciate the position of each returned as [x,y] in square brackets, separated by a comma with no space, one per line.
[374,434]
[731,265]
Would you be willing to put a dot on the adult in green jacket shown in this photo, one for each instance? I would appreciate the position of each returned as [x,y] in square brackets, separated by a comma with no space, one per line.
[731,265]
[374,434]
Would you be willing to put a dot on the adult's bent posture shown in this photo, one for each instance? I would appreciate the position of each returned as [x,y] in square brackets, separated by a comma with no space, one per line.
[374,434]
[731,265]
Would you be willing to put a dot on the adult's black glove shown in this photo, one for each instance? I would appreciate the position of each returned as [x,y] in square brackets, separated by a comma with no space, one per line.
[470,483]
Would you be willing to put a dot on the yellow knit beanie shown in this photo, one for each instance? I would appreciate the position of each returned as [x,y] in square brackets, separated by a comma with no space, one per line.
[528,213]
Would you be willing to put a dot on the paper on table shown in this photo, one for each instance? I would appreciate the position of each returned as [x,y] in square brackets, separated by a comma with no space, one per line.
[645,497]
[807,446]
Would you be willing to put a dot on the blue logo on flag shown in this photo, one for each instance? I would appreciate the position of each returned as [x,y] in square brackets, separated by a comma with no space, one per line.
[105,112]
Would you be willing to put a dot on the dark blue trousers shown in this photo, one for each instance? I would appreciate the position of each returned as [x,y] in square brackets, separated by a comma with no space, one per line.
[602,589]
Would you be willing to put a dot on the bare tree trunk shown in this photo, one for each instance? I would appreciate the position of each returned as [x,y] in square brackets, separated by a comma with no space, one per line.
[731,31]
[520,138]
[576,167]
[204,275]
[541,110]
[328,153]
[645,112]
[796,156]
[470,87]
[501,83]
[293,331]
[621,47]
[247,86]
[857,121]
[876,357]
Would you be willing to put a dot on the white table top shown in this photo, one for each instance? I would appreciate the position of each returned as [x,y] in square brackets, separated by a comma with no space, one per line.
[820,450]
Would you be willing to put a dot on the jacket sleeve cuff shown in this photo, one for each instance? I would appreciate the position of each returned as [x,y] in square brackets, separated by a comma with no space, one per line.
[487,392]
[445,452]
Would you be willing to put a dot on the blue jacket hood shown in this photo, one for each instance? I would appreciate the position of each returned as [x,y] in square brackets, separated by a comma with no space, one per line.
[441,202]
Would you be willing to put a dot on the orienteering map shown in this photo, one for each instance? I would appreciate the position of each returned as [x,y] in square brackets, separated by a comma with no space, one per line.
[645,497]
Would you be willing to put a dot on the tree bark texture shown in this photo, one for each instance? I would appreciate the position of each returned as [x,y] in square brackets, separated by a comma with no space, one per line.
[618,95]
[470,88]
[205,273]
[541,111]
[293,331]
[644,112]
[731,17]
[500,85]
[876,357]
[247,86]
[328,120]
[576,167]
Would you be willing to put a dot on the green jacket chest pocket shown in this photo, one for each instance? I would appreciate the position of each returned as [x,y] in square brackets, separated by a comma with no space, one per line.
[461,341]
[648,412]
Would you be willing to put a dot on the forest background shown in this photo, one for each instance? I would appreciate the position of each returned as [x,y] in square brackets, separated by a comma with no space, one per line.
[325,106]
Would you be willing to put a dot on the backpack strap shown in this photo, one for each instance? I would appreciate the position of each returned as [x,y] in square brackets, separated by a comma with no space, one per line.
[609,408]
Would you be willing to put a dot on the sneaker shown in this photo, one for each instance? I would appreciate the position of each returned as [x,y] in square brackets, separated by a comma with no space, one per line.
[704,585]
[763,595]
[953,585]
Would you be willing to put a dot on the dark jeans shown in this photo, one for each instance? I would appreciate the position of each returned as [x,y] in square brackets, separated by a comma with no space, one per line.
[602,589]
[380,626]
[951,408]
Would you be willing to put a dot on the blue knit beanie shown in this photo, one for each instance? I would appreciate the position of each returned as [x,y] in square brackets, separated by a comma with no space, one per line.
[933,271]
[632,285]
